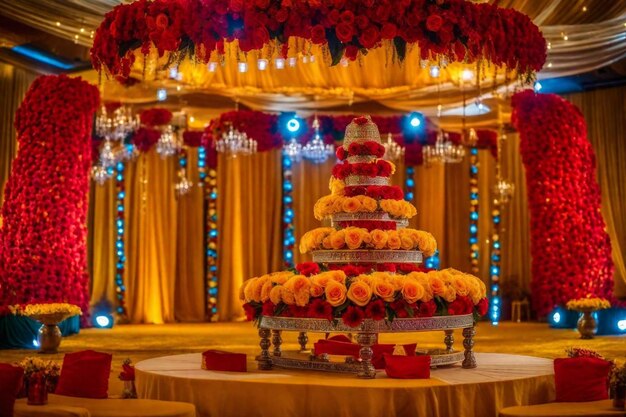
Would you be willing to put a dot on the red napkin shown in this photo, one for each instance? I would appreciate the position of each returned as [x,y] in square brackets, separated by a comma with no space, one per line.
[581,379]
[219,360]
[334,347]
[407,367]
[85,374]
[10,384]
[340,338]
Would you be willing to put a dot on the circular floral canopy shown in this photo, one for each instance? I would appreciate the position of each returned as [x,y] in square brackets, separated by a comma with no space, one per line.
[443,30]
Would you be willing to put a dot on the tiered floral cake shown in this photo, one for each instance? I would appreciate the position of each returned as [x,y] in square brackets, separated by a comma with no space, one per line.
[366,266]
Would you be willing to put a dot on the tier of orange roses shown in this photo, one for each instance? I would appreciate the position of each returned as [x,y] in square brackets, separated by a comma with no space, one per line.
[378,295]
[43,251]
[457,29]
[358,238]
[377,168]
[333,204]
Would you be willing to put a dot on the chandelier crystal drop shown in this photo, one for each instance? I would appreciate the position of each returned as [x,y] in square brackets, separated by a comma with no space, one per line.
[293,150]
[100,174]
[235,143]
[167,144]
[443,151]
[183,186]
[108,156]
[316,150]
[117,124]
[393,151]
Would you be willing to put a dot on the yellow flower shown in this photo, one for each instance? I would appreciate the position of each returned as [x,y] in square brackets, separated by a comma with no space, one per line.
[49,308]
[306,242]
[327,243]
[459,283]
[422,278]
[359,293]
[335,293]
[337,239]
[406,242]
[354,237]
[338,204]
[323,278]
[379,238]
[276,294]
[407,210]
[324,206]
[351,205]
[320,234]
[383,289]
[412,290]
[390,206]
[336,186]
[393,240]
[299,285]
[588,304]
[450,294]
[265,290]
[280,277]
[364,278]
[426,243]
[367,203]
[249,289]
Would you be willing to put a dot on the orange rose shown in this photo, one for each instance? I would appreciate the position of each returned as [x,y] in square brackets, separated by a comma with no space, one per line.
[323,278]
[265,290]
[354,237]
[359,293]
[335,293]
[338,276]
[412,290]
[338,204]
[391,207]
[437,286]
[406,243]
[316,290]
[300,286]
[320,234]
[379,238]
[460,285]
[368,203]
[326,243]
[351,205]
[426,243]
[422,279]
[336,186]
[393,240]
[383,289]
[450,294]
[275,294]
[280,277]
[287,296]
[337,239]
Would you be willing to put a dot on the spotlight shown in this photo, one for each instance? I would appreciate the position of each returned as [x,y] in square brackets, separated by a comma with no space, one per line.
[537,87]
[556,317]
[161,94]
[621,325]
[102,316]
[102,321]
[561,318]
[413,123]
[293,125]
[434,71]
[36,343]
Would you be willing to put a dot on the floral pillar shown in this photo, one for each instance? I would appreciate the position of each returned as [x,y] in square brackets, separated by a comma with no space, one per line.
[571,251]
[43,252]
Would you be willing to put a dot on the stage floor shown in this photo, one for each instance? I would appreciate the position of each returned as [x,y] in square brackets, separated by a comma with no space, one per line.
[140,342]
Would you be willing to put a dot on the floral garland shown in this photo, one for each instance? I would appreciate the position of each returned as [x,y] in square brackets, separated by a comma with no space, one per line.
[588,304]
[360,149]
[43,251]
[334,295]
[357,237]
[378,168]
[459,30]
[45,309]
[570,248]
[331,204]
[155,117]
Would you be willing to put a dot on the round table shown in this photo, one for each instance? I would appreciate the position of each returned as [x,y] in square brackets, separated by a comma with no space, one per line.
[499,381]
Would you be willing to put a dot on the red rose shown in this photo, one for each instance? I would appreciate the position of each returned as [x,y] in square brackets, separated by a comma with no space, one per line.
[482,307]
[400,308]
[427,309]
[374,148]
[344,32]
[268,308]
[361,120]
[308,268]
[341,153]
[376,310]
[361,21]
[456,307]
[282,15]
[155,117]
[351,52]
[434,22]
[384,168]
[250,311]
[353,316]
[388,31]
[262,4]
[386,267]
[162,21]
[318,35]
[370,37]
[320,309]
[297,311]
[347,17]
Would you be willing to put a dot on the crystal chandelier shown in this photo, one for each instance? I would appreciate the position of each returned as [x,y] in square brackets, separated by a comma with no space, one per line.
[183,186]
[293,150]
[393,151]
[316,150]
[235,143]
[167,144]
[443,151]
[117,124]
[100,174]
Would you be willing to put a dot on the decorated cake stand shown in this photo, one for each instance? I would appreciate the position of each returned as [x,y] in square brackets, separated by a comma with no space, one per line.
[366,335]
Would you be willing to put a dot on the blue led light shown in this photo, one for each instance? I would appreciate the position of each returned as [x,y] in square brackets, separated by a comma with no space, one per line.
[474,169]
[496,245]
[41,56]
[473,229]
[287,186]
[213,195]
[474,151]
[556,317]
[473,240]
[495,270]
[410,182]
[474,215]
[408,196]
[213,233]
[121,195]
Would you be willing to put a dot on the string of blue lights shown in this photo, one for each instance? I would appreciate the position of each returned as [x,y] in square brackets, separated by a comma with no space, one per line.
[494,267]
[120,255]
[289,238]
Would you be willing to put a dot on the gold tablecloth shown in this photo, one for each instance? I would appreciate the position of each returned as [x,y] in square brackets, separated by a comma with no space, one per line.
[62,406]
[589,409]
[499,381]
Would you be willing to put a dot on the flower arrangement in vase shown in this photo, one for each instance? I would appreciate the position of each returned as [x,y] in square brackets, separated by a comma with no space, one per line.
[587,325]
[49,315]
[48,370]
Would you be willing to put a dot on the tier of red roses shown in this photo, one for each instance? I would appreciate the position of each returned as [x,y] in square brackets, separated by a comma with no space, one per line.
[43,252]
[369,148]
[570,248]
[155,116]
[352,315]
[379,168]
[461,30]
[370,224]
[380,192]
